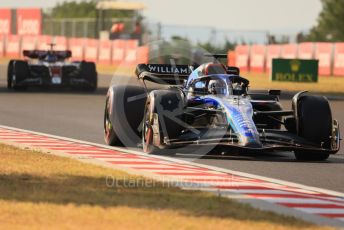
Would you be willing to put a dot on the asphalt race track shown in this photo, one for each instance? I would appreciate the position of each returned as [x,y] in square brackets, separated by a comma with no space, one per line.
[79,115]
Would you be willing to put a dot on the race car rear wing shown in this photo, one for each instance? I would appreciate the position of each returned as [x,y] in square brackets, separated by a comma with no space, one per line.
[41,54]
[163,73]
[170,74]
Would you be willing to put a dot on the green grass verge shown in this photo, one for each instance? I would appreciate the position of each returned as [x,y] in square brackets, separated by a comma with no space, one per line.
[39,191]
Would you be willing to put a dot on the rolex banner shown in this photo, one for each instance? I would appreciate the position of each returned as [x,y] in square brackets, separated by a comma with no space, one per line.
[295,70]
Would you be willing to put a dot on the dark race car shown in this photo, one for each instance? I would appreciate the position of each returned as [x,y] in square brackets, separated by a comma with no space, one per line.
[50,68]
[211,105]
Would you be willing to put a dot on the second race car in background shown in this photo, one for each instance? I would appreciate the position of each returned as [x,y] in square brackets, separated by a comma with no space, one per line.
[51,68]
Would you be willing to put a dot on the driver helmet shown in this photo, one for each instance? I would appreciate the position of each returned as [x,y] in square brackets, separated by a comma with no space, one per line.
[238,88]
[217,87]
[51,57]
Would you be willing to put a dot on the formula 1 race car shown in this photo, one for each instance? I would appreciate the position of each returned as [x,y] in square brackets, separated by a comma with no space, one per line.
[211,105]
[50,68]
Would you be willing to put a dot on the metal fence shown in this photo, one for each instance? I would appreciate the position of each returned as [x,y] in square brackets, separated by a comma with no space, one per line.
[201,34]
[81,27]
[90,28]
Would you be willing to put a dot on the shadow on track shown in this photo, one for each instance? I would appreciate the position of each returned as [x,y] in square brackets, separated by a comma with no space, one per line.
[281,157]
[51,90]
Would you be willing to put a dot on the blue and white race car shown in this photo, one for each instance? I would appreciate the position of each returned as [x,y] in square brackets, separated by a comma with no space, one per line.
[211,106]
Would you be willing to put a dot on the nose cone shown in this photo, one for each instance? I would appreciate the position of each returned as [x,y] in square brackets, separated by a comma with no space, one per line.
[251,141]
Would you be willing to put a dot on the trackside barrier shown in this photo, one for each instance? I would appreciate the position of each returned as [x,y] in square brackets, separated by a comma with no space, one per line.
[13,46]
[338,64]
[43,41]
[91,50]
[273,51]
[130,52]
[142,55]
[289,51]
[105,49]
[28,42]
[61,43]
[29,21]
[323,52]
[76,45]
[125,52]
[257,58]
[231,58]
[242,55]
[2,45]
[118,51]
[306,50]
[330,56]
[5,21]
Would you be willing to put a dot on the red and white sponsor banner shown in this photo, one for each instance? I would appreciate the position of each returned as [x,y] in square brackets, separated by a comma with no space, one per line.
[5,21]
[77,45]
[257,58]
[43,42]
[61,43]
[289,51]
[323,52]
[130,52]
[13,46]
[105,48]
[338,65]
[29,21]
[295,197]
[273,51]
[118,51]
[28,42]
[2,45]
[231,58]
[306,50]
[142,55]
[91,50]
[242,54]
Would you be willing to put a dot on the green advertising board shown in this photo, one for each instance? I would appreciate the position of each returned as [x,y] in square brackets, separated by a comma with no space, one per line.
[295,70]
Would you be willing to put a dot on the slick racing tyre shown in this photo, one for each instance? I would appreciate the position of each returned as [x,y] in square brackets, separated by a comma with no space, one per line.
[20,72]
[314,123]
[9,74]
[162,112]
[123,115]
[89,72]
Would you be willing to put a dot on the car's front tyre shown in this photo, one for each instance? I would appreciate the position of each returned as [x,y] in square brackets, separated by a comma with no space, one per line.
[123,115]
[162,113]
[314,123]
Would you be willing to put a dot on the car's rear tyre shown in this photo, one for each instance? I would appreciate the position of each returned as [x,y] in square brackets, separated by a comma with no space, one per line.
[9,74]
[161,114]
[21,71]
[123,115]
[89,72]
[314,123]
